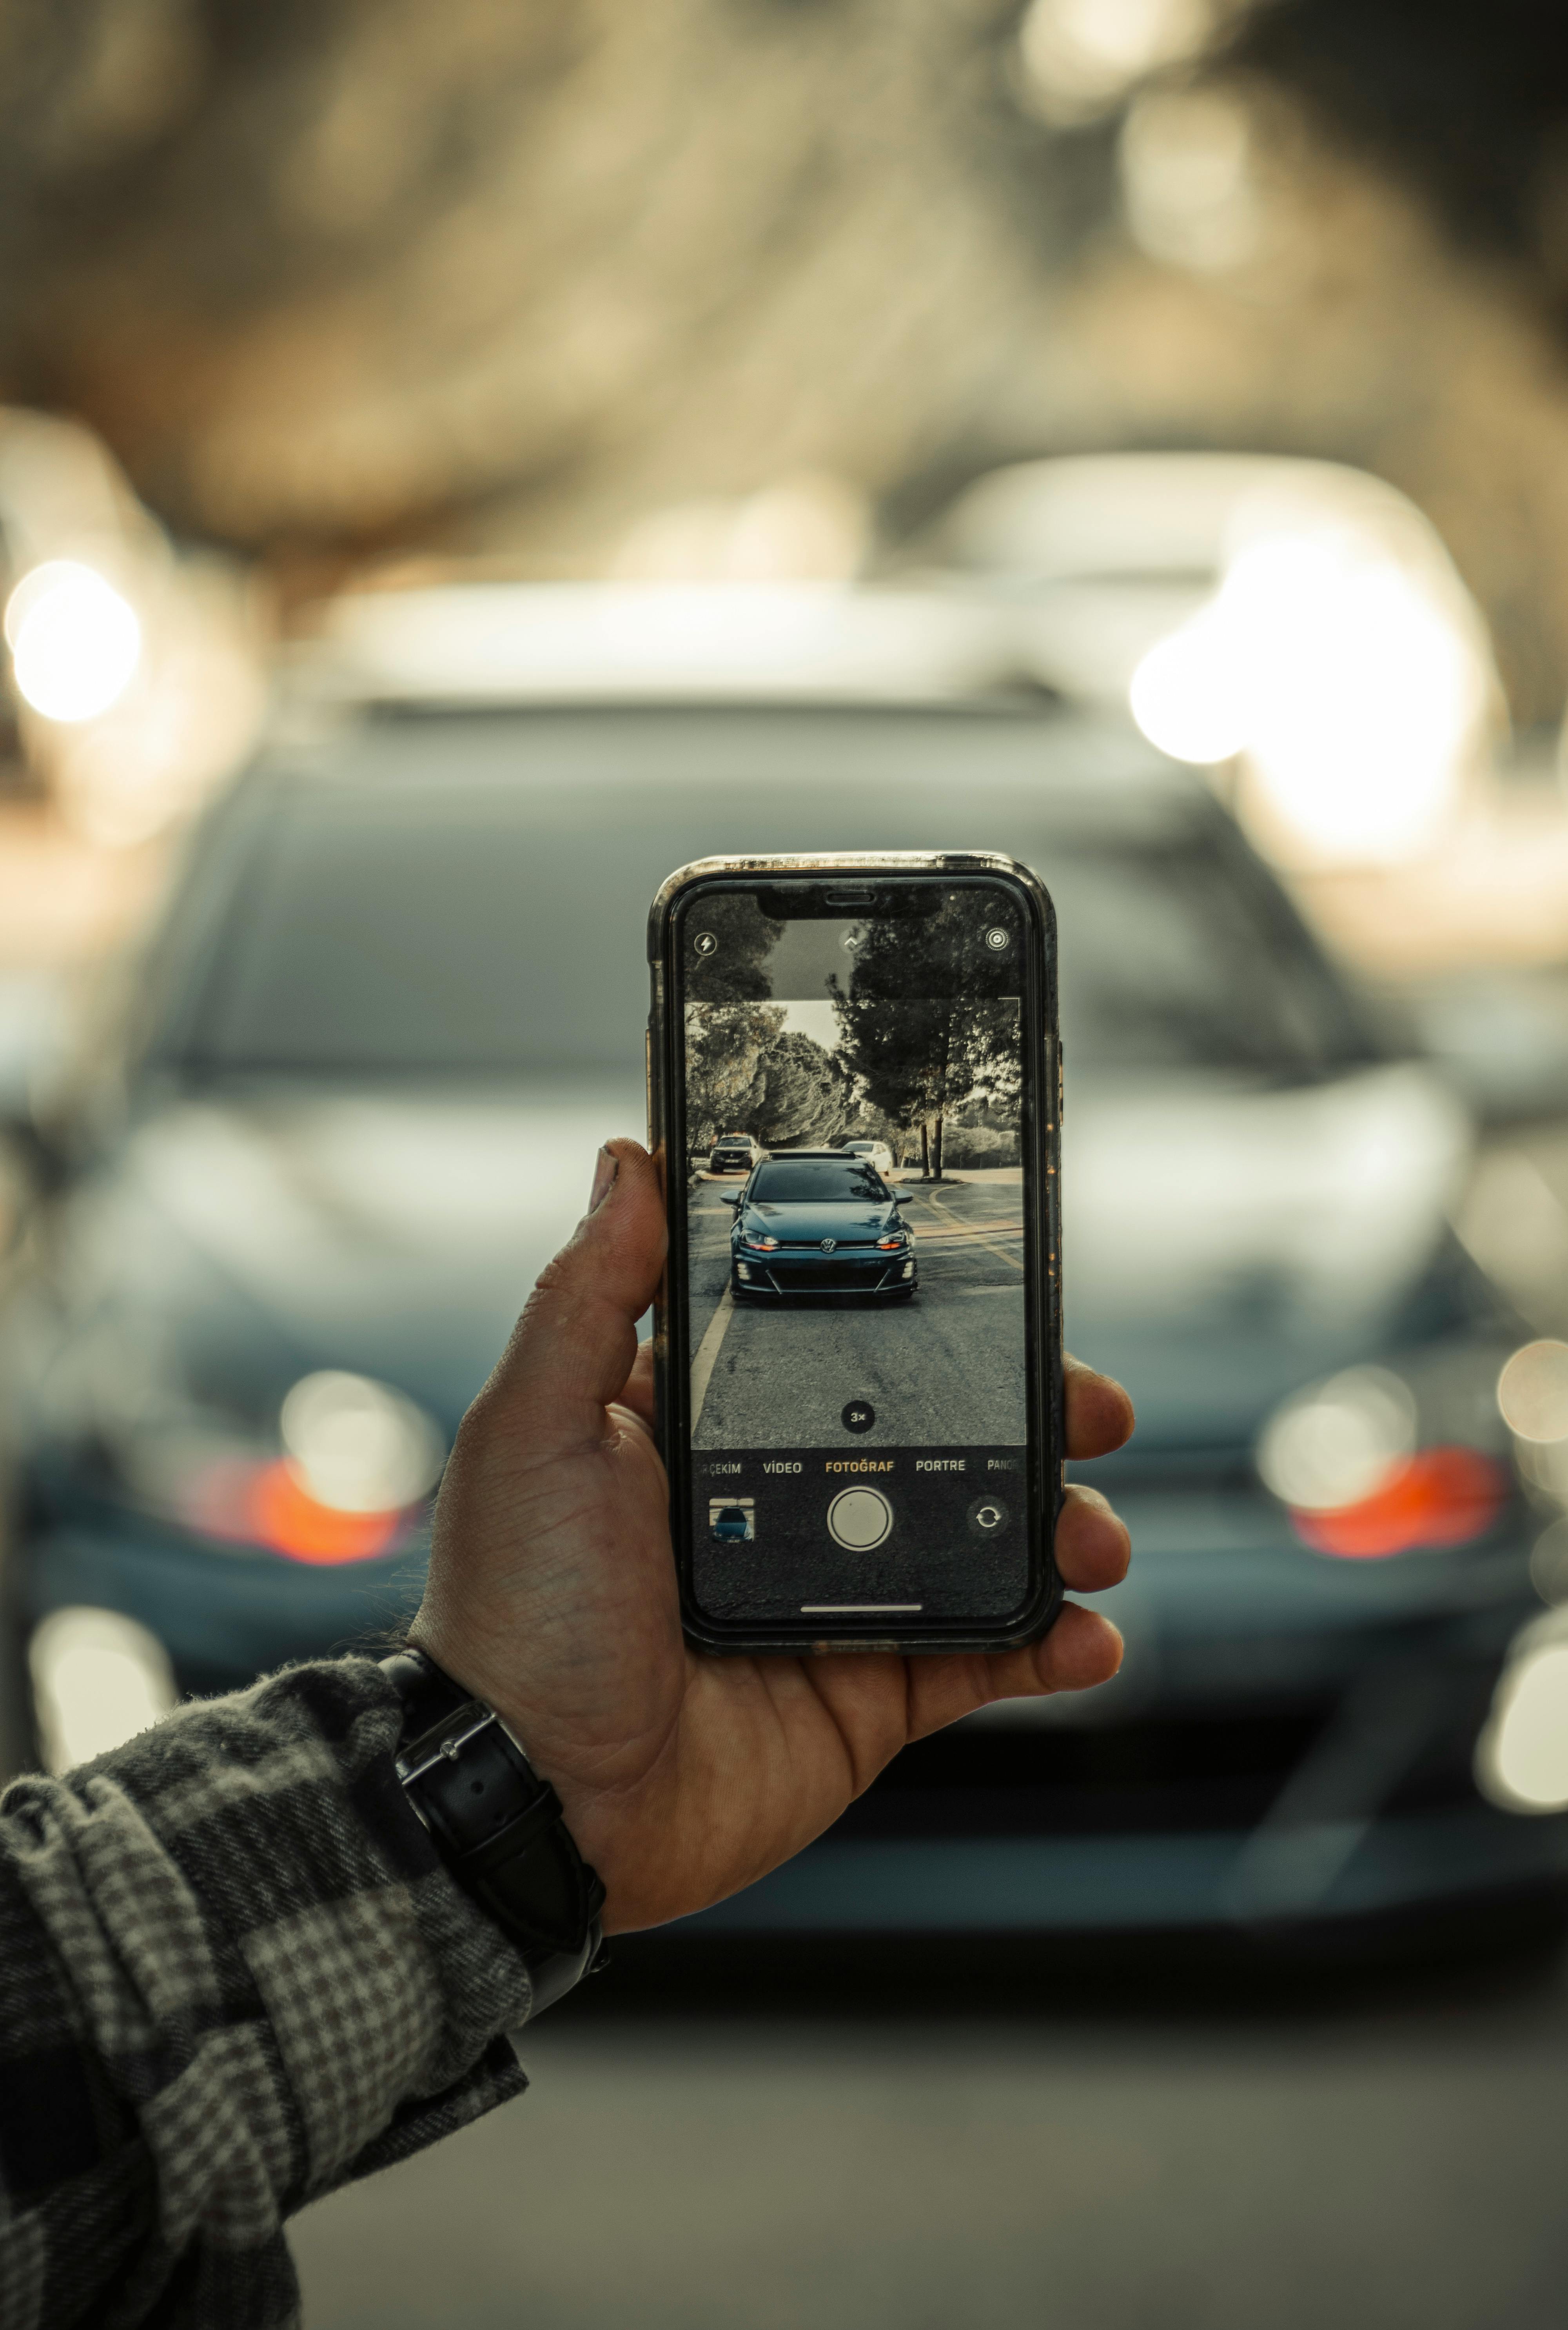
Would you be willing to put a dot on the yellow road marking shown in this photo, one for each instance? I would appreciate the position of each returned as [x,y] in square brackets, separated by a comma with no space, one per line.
[975,1237]
[707,1352]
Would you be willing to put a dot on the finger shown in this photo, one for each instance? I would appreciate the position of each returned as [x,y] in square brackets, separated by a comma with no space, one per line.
[638,1391]
[1099,1412]
[573,1349]
[1093,1545]
[1083,1649]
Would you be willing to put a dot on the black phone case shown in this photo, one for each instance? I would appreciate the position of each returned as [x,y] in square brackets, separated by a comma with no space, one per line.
[1042,1115]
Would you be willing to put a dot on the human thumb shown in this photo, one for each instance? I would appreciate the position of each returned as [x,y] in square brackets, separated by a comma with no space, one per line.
[573,1346]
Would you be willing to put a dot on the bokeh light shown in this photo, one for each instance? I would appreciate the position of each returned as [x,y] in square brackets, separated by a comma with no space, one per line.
[359,1446]
[1343,680]
[98,1678]
[1522,1755]
[1533,1391]
[75,642]
[1340,1441]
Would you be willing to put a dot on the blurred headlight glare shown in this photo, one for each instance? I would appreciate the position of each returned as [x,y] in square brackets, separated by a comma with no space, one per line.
[1441,1496]
[1343,1456]
[1343,675]
[97,1678]
[75,643]
[1338,1442]
[1522,1755]
[1532,1392]
[359,1446]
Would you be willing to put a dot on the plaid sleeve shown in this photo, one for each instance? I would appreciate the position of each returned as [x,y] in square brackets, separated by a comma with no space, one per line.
[233,1975]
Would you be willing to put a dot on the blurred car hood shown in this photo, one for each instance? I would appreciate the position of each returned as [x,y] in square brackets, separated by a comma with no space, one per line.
[1226,1243]
[1222,1243]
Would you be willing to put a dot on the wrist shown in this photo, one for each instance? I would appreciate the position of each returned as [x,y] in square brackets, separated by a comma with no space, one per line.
[495,1823]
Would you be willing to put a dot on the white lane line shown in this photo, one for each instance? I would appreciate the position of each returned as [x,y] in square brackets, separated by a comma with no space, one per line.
[707,1351]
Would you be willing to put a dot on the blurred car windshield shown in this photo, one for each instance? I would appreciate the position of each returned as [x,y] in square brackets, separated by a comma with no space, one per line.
[818,1181]
[468,895]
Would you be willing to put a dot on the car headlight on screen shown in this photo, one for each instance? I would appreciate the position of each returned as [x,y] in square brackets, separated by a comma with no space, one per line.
[1345,1457]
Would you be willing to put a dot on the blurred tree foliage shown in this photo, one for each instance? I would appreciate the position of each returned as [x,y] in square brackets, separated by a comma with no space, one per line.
[358,277]
[1470,103]
[333,271]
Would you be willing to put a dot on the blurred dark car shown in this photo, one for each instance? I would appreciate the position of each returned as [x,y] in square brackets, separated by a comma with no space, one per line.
[351,1106]
[735,1152]
[818,1222]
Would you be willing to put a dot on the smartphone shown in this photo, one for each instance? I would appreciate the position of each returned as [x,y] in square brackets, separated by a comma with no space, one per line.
[855,1095]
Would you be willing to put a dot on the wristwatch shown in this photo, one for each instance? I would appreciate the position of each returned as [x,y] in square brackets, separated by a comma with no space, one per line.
[498,1827]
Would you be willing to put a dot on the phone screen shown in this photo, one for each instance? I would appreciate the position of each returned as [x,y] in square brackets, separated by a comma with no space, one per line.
[861,1344]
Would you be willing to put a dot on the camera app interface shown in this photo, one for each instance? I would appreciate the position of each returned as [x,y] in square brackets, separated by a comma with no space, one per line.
[854,1192]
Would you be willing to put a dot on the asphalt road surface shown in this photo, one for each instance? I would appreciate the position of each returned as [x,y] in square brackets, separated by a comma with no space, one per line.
[1392,2164]
[943,1370]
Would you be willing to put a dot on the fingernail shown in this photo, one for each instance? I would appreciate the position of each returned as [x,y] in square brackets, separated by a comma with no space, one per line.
[605,1168]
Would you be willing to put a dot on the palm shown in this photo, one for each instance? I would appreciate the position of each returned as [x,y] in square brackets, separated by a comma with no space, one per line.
[552,1593]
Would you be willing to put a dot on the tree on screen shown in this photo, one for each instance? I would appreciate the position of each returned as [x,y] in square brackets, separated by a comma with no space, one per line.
[745,1074]
[807,1095]
[929,1020]
[727,1046]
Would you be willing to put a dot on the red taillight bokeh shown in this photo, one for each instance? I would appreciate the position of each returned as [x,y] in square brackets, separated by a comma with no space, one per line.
[1441,1496]
[285,1516]
[268,1505]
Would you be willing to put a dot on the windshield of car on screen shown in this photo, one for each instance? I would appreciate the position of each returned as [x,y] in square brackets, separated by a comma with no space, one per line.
[444,926]
[806,1182]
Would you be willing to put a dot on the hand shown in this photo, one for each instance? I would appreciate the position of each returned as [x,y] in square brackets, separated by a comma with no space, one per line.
[552,1595]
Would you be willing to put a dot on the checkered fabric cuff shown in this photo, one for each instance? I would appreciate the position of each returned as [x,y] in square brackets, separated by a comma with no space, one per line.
[234,1975]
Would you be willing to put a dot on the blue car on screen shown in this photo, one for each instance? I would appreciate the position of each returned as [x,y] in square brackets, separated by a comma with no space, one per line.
[820,1221]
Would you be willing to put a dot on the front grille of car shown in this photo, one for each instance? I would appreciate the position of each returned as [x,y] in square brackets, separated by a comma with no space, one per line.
[823,1278]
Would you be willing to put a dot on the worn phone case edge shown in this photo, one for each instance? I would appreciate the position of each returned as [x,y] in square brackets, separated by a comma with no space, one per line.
[1037,1620]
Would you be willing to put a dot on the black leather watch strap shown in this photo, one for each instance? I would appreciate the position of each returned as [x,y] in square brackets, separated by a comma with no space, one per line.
[498,1827]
